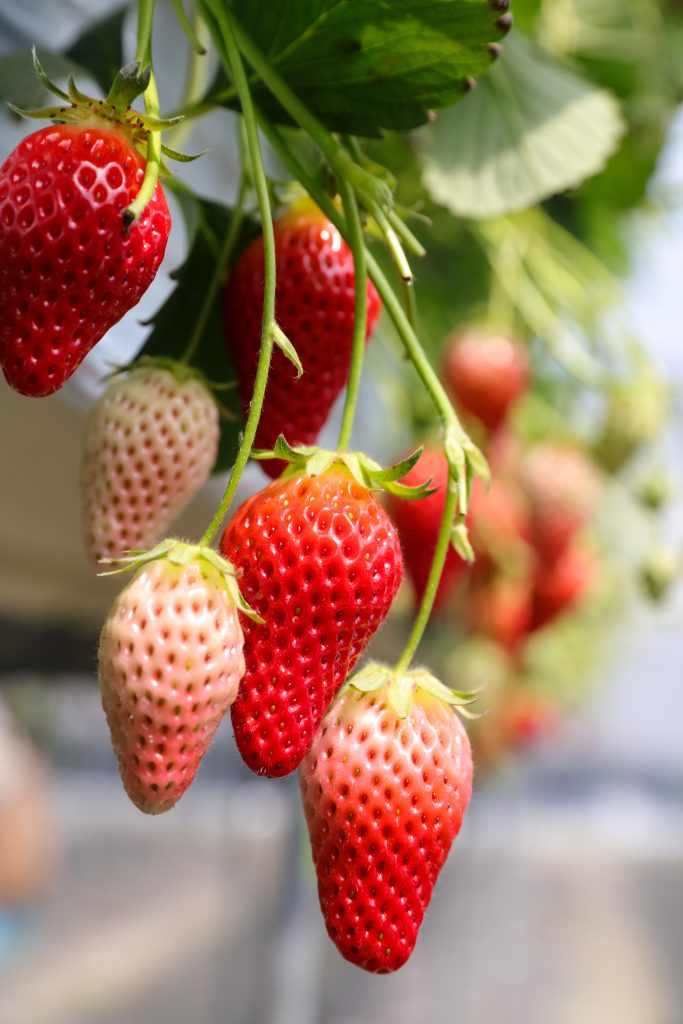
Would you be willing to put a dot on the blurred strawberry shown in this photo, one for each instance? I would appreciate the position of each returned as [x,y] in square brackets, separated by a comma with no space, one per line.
[562,486]
[486,374]
[527,718]
[418,525]
[562,585]
[499,524]
[500,608]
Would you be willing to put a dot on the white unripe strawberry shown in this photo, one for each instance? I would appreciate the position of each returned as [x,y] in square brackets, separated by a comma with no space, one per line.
[170,664]
[150,443]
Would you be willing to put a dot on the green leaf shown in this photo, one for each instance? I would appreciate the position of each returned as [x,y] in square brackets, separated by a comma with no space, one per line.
[99,50]
[175,322]
[364,66]
[531,129]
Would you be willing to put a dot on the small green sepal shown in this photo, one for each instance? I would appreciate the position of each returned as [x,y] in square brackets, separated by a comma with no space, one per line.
[179,552]
[368,473]
[401,687]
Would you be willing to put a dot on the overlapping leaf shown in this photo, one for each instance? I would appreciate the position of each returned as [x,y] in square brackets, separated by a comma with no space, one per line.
[364,65]
[531,129]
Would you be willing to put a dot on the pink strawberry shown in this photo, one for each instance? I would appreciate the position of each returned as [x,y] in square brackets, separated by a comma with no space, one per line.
[314,305]
[384,787]
[500,608]
[170,663]
[486,373]
[562,487]
[150,443]
[321,562]
[68,268]
[562,585]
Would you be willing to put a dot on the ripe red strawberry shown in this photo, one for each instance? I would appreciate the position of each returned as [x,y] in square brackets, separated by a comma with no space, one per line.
[418,525]
[384,794]
[500,608]
[320,561]
[314,306]
[150,443]
[170,662]
[562,486]
[562,585]
[68,269]
[486,374]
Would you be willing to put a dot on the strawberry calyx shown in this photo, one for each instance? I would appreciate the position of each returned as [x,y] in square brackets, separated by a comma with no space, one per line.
[314,461]
[179,552]
[182,372]
[113,112]
[400,687]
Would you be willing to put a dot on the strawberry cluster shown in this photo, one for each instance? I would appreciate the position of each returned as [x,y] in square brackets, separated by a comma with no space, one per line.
[534,563]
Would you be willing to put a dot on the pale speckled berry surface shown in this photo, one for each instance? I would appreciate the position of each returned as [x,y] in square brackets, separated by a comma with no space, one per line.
[170,664]
[150,443]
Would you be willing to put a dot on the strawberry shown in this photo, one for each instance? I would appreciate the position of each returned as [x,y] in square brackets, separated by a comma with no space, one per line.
[384,787]
[527,718]
[320,561]
[562,585]
[486,373]
[150,443]
[314,305]
[500,608]
[170,662]
[68,268]
[418,525]
[562,486]
[499,523]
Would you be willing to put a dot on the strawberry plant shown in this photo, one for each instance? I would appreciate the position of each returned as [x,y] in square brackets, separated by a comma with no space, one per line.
[268,323]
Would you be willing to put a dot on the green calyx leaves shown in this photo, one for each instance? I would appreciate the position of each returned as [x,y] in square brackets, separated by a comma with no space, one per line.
[401,688]
[77,107]
[369,474]
[181,372]
[180,553]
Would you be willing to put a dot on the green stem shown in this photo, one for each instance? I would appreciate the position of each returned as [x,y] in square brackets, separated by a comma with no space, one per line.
[219,272]
[268,325]
[456,436]
[371,191]
[145,19]
[443,541]
[151,98]
[357,246]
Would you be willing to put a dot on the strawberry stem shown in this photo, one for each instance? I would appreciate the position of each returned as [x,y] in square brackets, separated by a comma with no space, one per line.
[463,456]
[357,246]
[443,542]
[231,56]
[151,97]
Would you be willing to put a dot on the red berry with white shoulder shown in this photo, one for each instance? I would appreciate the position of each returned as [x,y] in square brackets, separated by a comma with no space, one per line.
[384,787]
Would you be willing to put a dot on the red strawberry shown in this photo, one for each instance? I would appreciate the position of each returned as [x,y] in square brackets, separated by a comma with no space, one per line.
[170,663]
[562,585]
[68,269]
[320,561]
[418,525]
[384,793]
[562,486]
[500,608]
[150,443]
[314,305]
[527,718]
[486,374]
